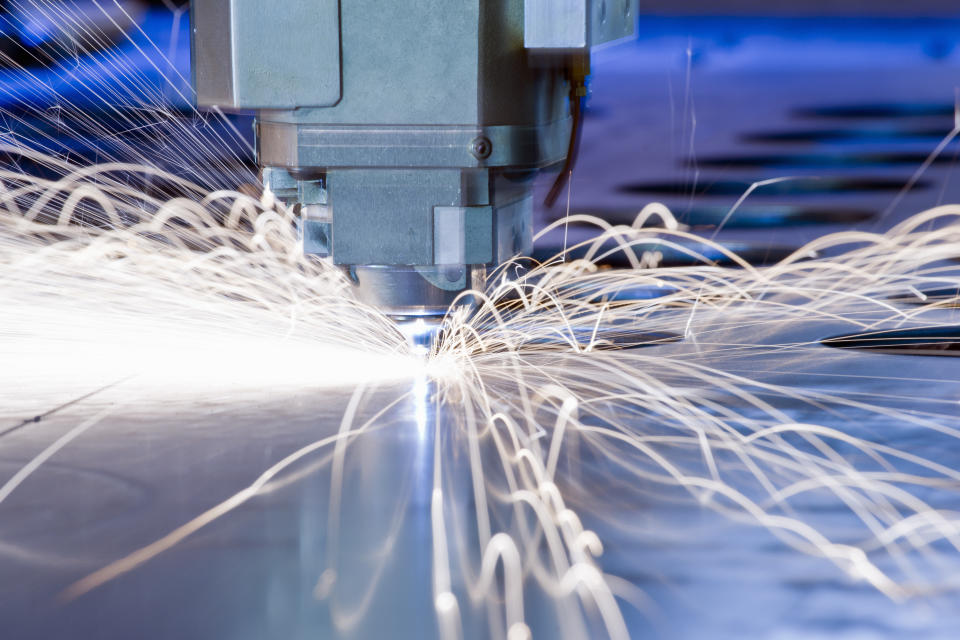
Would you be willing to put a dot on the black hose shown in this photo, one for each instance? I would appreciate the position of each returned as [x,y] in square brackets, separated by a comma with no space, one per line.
[577,99]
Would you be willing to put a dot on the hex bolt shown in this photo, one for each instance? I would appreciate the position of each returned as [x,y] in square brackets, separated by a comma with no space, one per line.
[481,147]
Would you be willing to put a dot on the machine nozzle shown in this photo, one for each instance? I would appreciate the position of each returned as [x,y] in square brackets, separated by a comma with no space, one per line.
[416,292]
[421,332]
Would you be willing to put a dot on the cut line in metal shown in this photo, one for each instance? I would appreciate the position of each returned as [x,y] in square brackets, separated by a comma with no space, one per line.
[800,187]
[745,217]
[924,341]
[879,110]
[42,416]
[824,160]
[653,253]
[948,296]
[857,135]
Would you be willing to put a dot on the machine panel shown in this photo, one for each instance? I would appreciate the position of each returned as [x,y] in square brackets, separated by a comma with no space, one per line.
[282,54]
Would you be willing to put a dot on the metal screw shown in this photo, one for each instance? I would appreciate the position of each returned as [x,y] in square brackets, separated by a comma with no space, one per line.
[481,147]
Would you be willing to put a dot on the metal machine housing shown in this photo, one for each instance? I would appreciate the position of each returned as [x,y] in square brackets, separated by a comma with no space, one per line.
[406,133]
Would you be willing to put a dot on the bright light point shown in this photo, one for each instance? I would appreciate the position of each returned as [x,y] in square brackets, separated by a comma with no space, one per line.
[419,334]
[420,399]
[267,200]
[443,366]
[445,602]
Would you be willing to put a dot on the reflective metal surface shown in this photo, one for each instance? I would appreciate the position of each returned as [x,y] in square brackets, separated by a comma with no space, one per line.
[415,291]
[340,544]
[305,145]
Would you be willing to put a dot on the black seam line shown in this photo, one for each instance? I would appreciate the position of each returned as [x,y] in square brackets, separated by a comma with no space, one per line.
[39,417]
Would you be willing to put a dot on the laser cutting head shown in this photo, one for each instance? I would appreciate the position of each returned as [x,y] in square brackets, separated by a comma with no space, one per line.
[405,134]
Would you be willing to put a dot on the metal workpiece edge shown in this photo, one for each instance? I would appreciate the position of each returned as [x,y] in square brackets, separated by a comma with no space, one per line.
[346,146]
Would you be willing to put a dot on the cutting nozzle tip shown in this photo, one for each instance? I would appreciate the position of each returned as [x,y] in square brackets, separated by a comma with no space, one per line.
[421,332]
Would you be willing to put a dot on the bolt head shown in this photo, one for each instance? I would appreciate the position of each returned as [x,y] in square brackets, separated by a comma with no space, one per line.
[481,147]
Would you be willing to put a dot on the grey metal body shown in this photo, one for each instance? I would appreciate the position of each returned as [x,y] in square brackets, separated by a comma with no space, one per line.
[408,132]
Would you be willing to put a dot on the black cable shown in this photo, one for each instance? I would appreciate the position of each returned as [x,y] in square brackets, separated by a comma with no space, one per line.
[578,70]
[576,109]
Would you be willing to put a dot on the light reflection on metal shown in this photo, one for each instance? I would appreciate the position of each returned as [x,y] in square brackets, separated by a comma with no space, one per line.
[420,399]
